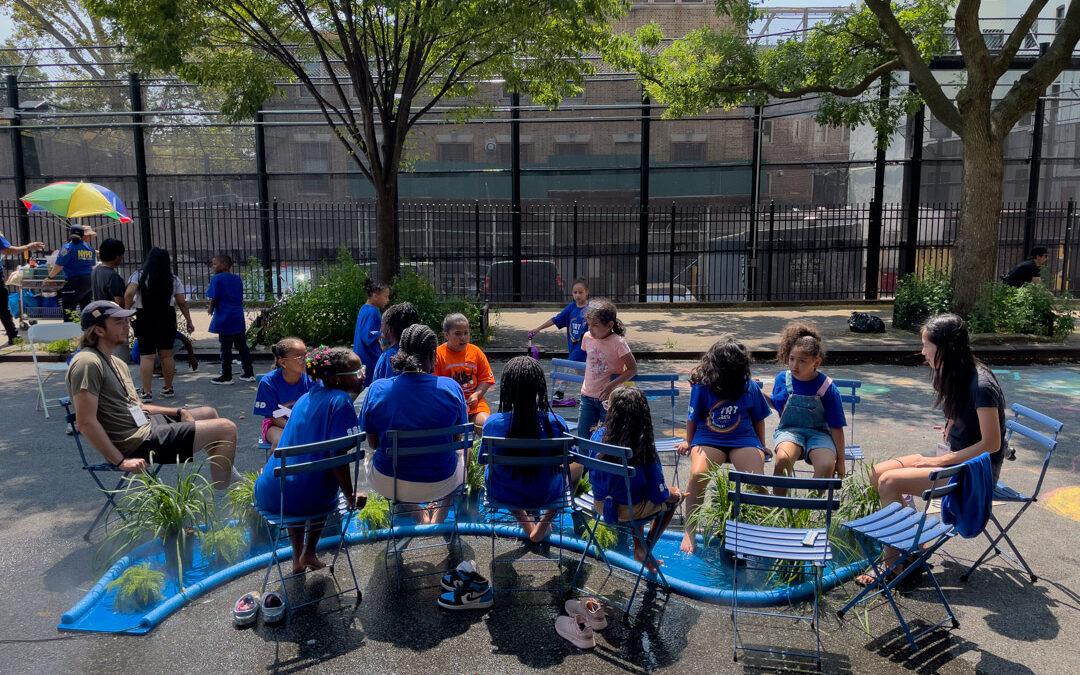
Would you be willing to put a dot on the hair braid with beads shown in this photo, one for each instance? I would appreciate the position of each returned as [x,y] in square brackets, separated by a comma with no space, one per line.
[523,394]
[416,350]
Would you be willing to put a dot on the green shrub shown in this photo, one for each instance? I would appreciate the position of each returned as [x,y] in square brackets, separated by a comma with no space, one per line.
[225,544]
[62,347]
[918,299]
[376,512]
[138,588]
[409,286]
[1031,309]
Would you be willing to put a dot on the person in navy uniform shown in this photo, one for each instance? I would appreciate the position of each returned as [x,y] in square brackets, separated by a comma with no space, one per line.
[77,259]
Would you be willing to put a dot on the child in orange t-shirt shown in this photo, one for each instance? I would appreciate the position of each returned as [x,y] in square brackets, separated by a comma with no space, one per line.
[465,364]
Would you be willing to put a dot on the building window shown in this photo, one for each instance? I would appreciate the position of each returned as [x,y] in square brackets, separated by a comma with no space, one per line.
[455,152]
[315,164]
[571,148]
[688,152]
[766,131]
[821,133]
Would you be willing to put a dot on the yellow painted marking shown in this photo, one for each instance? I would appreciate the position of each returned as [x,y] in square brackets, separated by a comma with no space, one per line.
[1064,502]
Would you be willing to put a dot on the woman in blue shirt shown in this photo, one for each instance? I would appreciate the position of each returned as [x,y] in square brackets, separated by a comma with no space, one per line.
[524,413]
[77,259]
[369,327]
[629,424]
[415,400]
[324,413]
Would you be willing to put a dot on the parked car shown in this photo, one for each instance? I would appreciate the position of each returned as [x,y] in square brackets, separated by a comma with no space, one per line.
[660,291]
[540,282]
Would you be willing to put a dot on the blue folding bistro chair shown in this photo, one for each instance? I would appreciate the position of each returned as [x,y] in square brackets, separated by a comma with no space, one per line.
[99,468]
[591,511]
[524,454]
[1004,493]
[788,550]
[344,451]
[564,372]
[916,536]
[849,395]
[421,443]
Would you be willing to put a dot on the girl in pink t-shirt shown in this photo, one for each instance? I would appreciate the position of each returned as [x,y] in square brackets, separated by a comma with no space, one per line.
[608,363]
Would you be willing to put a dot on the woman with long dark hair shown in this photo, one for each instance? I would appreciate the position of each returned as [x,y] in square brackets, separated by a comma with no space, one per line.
[156,294]
[971,398]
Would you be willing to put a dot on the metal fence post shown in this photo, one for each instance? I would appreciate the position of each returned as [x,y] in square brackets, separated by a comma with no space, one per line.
[18,165]
[172,233]
[1036,166]
[772,235]
[1065,271]
[139,148]
[873,243]
[575,250]
[476,243]
[643,199]
[671,256]
[277,246]
[264,198]
[515,191]
[752,282]
[914,170]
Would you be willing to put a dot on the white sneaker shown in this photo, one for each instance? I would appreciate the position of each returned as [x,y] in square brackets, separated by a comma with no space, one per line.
[574,630]
[591,609]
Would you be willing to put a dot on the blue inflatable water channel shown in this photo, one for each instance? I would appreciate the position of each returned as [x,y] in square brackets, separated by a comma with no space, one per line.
[705,575]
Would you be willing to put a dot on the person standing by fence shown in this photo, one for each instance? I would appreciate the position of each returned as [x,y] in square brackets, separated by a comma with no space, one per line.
[1029,270]
[7,248]
[76,258]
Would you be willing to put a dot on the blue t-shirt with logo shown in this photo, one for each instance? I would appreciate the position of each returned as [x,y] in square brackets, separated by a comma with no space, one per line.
[647,483]
[383,369]
[4,243]
[320,415]
[834,406]
[522,485]
[76,259]
[572,318]
[366,339]
[411,402]
[724,423]
[228,289]
[274,390]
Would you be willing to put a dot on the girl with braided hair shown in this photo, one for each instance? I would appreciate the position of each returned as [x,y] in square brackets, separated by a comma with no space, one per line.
[629,424]
[324,413]
[282,387]
[415,400]
[395,320]
[971,398]
[524,412]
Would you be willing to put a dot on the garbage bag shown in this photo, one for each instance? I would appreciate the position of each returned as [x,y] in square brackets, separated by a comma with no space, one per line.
[861,322]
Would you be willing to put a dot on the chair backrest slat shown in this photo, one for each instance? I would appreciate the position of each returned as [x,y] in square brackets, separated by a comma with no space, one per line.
[550,451]
[1038,417]
[773,501]
[317,465]
[1029,433]
[764,480]
[332,445]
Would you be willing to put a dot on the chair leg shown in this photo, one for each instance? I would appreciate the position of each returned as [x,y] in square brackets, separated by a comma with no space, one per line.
[994,541]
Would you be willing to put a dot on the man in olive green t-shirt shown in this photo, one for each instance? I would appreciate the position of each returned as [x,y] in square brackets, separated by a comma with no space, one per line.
[127,433]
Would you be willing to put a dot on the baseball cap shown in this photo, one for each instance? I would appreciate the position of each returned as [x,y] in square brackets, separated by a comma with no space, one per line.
[96,313]
[78,229]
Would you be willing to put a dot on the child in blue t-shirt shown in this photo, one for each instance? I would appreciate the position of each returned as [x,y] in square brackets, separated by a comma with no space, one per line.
[324,413]
[629,424]
[395,320]
[572,318]
[811,411]
[524,413]
[366,336]
[282,387]
[226,293]
[724,423]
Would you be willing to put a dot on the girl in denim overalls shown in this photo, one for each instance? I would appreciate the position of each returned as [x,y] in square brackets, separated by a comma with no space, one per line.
[811,412]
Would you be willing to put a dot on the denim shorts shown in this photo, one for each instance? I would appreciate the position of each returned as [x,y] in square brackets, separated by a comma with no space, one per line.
[807,439]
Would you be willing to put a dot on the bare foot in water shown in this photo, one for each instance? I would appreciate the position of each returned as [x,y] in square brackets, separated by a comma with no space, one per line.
[313,563]
[540,532]
[689,543]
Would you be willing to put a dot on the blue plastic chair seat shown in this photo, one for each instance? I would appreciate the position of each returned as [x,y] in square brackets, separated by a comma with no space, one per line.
[778,543]
[1004,493]
[853,453]
[897,526]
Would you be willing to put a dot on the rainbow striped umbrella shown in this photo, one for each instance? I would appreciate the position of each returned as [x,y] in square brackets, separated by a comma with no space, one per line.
[77,200]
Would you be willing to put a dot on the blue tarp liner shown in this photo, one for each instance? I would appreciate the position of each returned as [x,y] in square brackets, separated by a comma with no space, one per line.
[705,576]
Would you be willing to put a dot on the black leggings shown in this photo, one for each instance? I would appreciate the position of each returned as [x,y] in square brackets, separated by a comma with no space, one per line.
[76,293]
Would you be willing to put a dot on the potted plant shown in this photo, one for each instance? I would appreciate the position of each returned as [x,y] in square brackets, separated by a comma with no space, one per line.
[224,545]
[375,515]
[169,514]
[241,505]
[138,588]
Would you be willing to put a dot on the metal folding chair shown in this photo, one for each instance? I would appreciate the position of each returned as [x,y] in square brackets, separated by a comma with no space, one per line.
[789,550]
[95,469]
[664,386]
[1004,493]
[916,536]
[343,451]
[571,372]
[849,394]
[525,454]
[586,506]
[46,333]
[419,443]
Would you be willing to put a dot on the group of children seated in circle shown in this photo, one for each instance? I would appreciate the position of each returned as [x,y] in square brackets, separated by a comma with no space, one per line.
[415,384]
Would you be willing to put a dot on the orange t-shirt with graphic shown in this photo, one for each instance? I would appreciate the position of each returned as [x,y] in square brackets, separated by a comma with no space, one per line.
[469,368]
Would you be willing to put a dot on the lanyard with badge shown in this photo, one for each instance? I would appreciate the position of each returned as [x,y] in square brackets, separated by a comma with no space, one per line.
[138,415]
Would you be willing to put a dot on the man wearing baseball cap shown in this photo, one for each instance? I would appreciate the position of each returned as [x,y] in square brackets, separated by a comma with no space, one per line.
[127,433]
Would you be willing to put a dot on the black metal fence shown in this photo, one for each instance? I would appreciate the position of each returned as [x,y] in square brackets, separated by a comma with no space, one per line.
[692,253]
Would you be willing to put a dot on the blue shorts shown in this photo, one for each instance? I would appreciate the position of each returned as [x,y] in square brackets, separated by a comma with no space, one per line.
[806,439]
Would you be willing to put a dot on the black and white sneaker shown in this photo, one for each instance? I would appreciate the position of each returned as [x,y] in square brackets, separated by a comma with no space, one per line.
[469,596]
[248,378]
[558,395]
[221,380]
[465,573]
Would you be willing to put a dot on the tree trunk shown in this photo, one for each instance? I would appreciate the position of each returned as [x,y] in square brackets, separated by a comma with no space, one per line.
[386,250]
[974,259]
